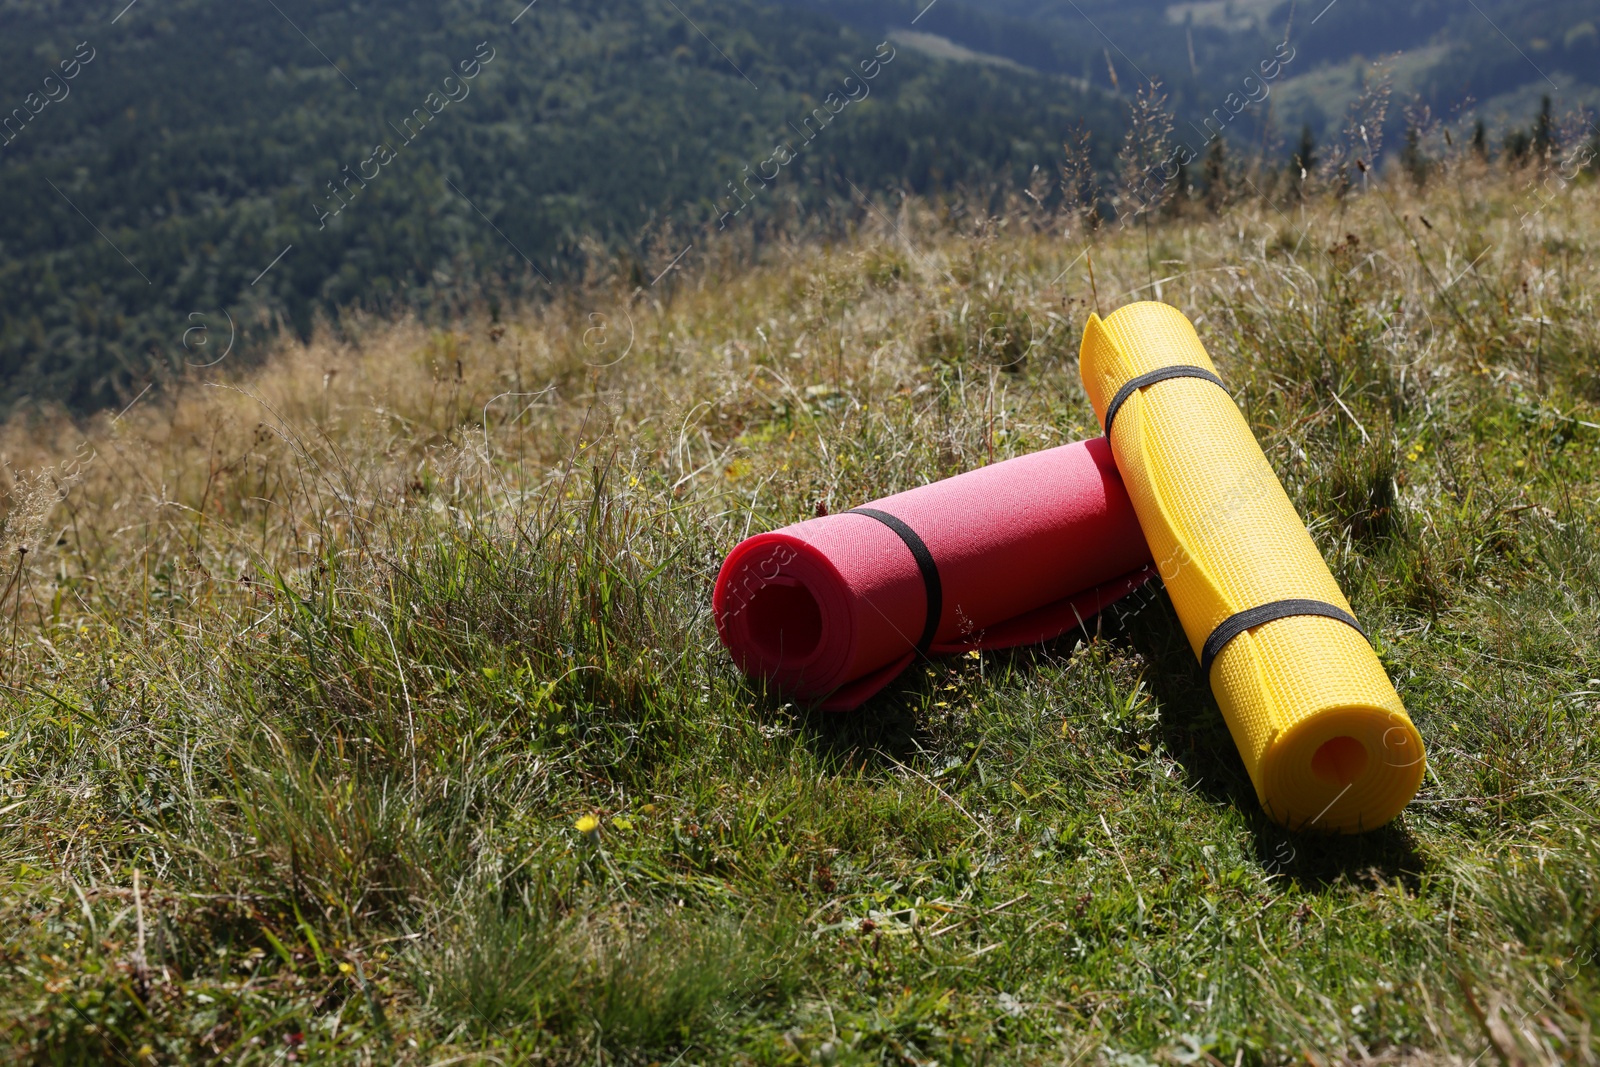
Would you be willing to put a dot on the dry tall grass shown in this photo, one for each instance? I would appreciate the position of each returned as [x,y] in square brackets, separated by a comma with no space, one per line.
[674,376]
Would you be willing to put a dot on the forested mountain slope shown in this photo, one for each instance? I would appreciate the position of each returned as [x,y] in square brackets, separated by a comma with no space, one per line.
[1492,57]
[191,170]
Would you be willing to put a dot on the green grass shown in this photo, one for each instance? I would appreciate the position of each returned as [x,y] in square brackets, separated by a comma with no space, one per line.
[311,673]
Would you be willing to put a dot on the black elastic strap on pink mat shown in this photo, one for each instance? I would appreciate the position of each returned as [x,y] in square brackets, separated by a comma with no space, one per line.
[1234,625]
[1159,375]
[925,564]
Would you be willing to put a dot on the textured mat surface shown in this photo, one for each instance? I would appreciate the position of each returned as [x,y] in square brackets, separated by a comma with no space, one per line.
[1321,729]
[831,609]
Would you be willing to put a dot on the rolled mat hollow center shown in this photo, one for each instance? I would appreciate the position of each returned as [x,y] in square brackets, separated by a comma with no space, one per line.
[1323,734]
[831,609]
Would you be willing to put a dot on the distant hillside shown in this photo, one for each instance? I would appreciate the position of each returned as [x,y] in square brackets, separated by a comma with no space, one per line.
[183,165]
[1496,57]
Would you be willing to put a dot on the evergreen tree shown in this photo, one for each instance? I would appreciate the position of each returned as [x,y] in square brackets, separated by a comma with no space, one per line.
[1216,174]
[1305,157]
[1412,158]
[1543,141]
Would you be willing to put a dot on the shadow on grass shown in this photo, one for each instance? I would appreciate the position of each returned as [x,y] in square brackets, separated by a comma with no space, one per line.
[889,727]
[1313,861]
[1196,735]
[893,727]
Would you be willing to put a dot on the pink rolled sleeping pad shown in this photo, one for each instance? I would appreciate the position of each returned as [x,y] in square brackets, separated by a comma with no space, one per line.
[830,610]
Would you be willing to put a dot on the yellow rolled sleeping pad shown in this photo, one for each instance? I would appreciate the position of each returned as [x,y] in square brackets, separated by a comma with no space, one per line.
[1322,731]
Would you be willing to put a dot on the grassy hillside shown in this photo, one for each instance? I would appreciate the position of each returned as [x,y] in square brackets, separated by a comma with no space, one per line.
[366,706]
[243,169]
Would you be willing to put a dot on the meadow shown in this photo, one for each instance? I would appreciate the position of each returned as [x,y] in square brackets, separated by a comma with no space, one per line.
[365,704]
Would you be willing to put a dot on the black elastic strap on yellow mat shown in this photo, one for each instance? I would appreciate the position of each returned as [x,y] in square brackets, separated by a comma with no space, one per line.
[1159,375]
[925,564]
[1234,625]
